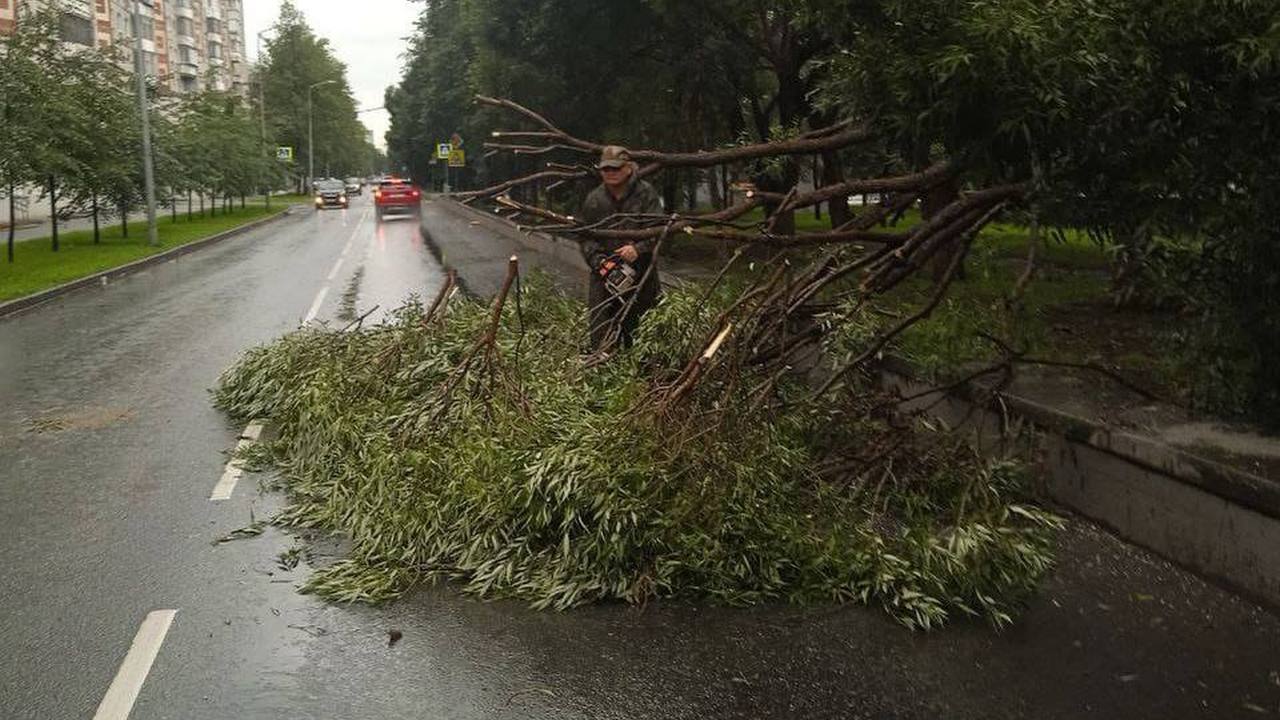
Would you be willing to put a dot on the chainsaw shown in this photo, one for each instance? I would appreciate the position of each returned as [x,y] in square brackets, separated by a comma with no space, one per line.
[618,275]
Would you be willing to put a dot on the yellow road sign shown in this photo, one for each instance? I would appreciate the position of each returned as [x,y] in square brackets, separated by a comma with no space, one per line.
[457,158]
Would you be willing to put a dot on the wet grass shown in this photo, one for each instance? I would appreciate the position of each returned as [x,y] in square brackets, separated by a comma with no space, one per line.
[1066,313]
[37,267]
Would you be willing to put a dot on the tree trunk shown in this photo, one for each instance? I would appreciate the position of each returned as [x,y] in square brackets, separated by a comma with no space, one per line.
[12,219]
[241,201]
[53,209]
[713,188]
[833,172]
[97,235]
[670,189]
[937,198]
[188,206]
[124,220]
[817,173]
[201,204]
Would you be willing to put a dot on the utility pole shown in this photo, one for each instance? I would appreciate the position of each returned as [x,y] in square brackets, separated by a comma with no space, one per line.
[311,141]
[262,111]
[148,173]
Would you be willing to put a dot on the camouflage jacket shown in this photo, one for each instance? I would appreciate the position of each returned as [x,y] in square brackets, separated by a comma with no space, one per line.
[600,204]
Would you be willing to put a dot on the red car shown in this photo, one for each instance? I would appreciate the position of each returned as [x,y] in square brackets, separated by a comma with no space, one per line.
[394,195]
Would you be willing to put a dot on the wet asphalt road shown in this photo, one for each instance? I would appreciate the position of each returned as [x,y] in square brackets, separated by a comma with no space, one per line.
[109,450]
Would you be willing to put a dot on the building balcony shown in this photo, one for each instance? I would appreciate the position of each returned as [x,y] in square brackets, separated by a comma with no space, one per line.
[188,69]
[187,41]
[185,12]
[213,37]
[213,9]
[215,62]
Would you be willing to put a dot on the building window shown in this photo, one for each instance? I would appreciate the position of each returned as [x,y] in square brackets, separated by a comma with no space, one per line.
[185,28]
[145,26]
[215,51]
[189,84]
[213,25]
[186,54]
[76,29]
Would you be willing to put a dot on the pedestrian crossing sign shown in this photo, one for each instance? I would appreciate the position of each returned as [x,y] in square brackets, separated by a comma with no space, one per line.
[285,153]
[443,150]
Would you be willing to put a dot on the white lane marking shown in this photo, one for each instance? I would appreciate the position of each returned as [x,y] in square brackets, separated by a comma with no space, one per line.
[118,702]
[233,471]
[315,306]
[334,272]
[355,232]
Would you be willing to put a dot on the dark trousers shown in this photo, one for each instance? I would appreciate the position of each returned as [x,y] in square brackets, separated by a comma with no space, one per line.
[605,309]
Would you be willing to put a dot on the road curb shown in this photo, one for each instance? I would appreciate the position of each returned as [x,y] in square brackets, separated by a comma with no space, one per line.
[26,302]
[562,250]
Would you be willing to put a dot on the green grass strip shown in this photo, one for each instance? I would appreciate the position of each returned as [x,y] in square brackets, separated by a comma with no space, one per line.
[37,267]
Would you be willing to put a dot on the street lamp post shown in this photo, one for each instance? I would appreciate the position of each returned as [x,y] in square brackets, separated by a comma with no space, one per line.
[262,111]
[148,172]
[311,144]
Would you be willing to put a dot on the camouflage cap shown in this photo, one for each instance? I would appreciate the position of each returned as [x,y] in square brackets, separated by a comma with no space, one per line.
[614,156]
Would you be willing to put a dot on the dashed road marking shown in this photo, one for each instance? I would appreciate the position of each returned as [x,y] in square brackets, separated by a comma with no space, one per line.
[334,272]
[233,471]
[315,306]
[124,689]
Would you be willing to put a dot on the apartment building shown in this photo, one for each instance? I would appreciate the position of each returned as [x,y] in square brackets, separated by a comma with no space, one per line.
[187,45]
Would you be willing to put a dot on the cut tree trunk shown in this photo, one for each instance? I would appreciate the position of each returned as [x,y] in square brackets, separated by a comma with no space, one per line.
[97,235]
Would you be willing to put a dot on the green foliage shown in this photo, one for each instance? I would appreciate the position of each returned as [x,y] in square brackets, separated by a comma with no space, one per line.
[296,59]
[541,479]
[1151,122]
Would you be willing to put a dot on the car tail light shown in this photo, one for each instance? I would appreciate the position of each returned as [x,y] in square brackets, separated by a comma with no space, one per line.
[413,193]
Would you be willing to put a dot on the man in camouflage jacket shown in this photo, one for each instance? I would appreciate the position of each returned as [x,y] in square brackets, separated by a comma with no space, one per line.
[621,191]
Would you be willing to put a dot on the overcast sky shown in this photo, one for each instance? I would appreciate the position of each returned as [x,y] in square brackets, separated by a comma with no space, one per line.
[367,35]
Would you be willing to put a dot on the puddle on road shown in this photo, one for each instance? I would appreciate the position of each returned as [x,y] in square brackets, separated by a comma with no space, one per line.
[88,418]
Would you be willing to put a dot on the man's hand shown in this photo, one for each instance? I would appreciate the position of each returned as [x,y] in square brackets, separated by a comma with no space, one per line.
[628,252]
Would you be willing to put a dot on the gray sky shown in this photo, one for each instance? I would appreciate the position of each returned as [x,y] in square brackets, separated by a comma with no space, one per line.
[367,35]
